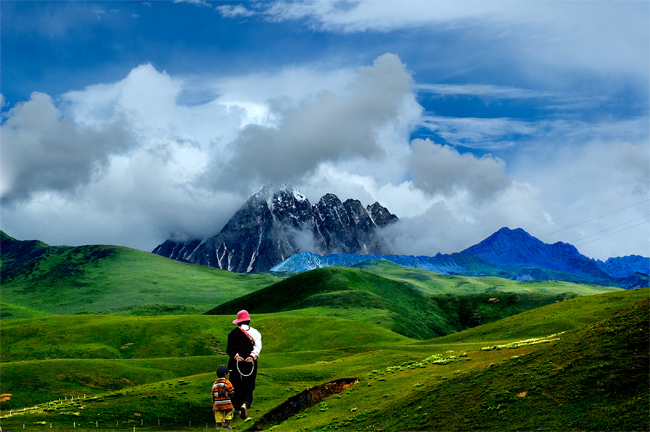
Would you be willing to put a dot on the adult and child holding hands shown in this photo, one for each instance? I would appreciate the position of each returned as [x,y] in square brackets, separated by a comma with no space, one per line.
[236,393]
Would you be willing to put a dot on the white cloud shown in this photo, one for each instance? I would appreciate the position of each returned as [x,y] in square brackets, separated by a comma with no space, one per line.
[438,169]
[480,133]
[491,134]
[454,221]
[293,83]
[133,161]
[231,11]
[483,91]
[325,128]
[606,36]
[156,171]
[361,16]
[597,187]
[194,2]
[43,150]
[113,156]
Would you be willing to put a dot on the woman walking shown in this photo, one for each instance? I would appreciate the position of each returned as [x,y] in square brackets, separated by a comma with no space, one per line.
[244,346]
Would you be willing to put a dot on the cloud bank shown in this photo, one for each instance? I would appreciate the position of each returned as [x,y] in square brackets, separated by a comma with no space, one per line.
[564,33]
[323,128]
[43,151]
[136,161]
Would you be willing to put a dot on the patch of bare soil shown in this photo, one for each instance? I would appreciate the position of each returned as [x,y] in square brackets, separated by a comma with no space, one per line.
[302,401]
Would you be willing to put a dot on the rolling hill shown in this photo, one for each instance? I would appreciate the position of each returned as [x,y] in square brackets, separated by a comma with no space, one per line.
[375,347]
[591,377]
[40,280]
[412,302]
[349,293]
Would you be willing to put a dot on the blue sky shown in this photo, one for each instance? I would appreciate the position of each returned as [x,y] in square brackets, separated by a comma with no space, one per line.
[130,122]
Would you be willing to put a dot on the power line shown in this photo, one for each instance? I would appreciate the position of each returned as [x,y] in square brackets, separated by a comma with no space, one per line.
[583,210]
[597,217]
[605,230]
[608,235]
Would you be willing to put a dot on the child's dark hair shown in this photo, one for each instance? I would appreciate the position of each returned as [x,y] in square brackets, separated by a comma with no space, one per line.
[222,371]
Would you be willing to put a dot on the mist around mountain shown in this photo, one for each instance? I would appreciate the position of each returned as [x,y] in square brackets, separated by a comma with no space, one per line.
[512,254]
[275,224]
[279,230]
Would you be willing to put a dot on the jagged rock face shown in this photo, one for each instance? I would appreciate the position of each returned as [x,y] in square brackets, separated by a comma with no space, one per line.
[273,225]
[348,226]
[177,250]
[380,215]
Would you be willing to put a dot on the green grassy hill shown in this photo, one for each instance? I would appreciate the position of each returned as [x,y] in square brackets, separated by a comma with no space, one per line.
[163,374]
[553,318]
[349,293]
[595,378]
[415,303]
[435,284]
[86,353]
[103,338]
[41,280]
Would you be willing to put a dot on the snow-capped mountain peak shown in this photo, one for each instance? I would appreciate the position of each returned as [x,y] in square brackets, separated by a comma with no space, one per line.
[276,223]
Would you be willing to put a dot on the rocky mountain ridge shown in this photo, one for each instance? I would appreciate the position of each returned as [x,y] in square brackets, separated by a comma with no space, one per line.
[512,254]
[275,224]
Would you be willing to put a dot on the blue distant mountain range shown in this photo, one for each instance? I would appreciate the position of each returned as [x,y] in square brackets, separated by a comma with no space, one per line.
[512,254]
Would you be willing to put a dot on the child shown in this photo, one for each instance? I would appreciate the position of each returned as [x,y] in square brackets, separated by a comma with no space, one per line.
[222,391]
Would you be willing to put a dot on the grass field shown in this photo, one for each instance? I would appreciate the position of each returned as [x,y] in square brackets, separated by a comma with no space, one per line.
[402,382]
[437,284]
[415,303]
[54,280]
[106,338]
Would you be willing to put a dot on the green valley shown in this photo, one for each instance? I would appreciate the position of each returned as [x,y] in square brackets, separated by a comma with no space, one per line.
[107,338]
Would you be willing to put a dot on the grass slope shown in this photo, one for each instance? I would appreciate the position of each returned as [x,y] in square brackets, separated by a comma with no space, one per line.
[441,384]
[595,378]
[41,280]
[353,293]
[554,318]
[435,284]
[85,353]
[415,303]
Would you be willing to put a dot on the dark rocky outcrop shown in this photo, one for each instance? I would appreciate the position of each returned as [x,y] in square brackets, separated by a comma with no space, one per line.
[273,225]
[302,401]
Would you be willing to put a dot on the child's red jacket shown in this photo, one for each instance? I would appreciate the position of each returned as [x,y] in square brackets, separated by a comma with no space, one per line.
[222,391]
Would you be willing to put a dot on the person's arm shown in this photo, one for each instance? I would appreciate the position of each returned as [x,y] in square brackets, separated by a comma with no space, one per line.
[257,337]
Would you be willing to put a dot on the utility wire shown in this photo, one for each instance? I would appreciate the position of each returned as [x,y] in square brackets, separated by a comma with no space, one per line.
[608,235]
[597,217]
[611,228]
[583,210]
